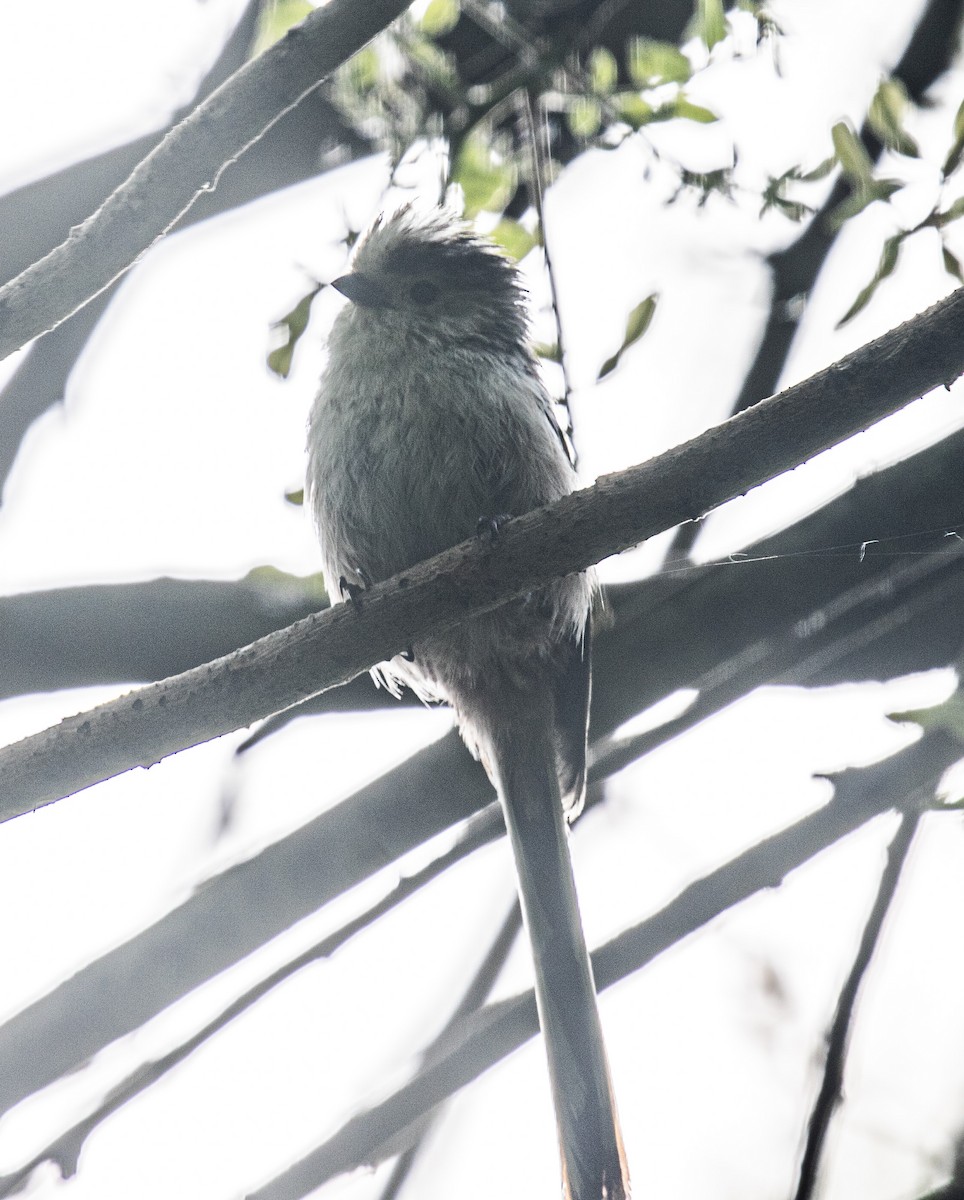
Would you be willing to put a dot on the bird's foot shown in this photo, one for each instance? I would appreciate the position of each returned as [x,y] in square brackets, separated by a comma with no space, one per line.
[352,592]
[489,527]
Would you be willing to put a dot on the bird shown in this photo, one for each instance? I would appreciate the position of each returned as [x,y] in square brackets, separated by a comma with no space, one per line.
[432,424]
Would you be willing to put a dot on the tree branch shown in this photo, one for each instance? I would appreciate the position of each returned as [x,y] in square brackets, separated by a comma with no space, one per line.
[187,162]
[831,1088]
[493,1032]
[619,511]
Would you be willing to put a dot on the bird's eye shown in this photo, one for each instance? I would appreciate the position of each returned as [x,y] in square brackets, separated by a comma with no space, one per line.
[423,292]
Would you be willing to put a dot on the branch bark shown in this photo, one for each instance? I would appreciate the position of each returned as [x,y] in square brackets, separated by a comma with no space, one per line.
[187,162]
[619,511]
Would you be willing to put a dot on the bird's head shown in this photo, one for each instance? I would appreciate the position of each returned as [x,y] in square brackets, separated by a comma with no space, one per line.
[427,276]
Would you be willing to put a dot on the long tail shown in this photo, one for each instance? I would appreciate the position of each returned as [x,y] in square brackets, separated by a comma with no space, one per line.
[523,761]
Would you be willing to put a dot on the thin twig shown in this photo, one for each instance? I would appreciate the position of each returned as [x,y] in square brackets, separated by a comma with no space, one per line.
[475,996]
[541,154]
[831,1088]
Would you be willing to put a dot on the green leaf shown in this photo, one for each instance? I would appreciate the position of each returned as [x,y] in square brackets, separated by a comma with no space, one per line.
[862,197]
[548,353]
[634,110]
[686,110]
[437,66]
[638,321]
[584,116]
[775,193]
[440,17]
[274,21]
[651,63]
[295,322]
[363,69]
[820,171]
[952,264]
[953,160]
[954,213]
[603,71]
[948,716]
[888,261]
[709,23]
[886,117]
[297,498]
[487,182]
[851,154]
[514,238]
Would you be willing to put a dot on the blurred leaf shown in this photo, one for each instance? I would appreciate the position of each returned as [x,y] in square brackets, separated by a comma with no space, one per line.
[949,716]
[710,183]
[487,182]
[686,110]
[775,193]
[793,210]
[861,198]
[514,238]
[438,67]
[952,264]
[295,322]
[766,25]
[820,171]
[949,215]
[274,21]
[548,353]
[297,497]
[440,17]
[634,110]
[362,69]
[851,154]
[888,261]
[584,116]
[886,117]
[709,23]
[603,71]
[651,63]
[638,321]
[953,160]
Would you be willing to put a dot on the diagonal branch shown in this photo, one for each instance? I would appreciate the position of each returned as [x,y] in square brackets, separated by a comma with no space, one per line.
[65,1148]
[620,511]
[187,162]
[689,629]
[495,1031]
[831,1088]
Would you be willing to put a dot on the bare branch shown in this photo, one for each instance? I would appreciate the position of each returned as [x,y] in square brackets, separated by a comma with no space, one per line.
[330,648]
[65,1148]
[831,1088]
[187,162]
[493,1032]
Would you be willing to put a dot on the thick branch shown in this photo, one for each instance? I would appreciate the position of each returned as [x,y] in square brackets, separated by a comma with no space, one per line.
[621,510]
[186,163]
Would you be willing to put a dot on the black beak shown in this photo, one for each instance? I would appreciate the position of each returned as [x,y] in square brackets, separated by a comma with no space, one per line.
[361,289]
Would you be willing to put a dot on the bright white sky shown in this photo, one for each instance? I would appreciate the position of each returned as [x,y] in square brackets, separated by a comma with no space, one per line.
[172,454]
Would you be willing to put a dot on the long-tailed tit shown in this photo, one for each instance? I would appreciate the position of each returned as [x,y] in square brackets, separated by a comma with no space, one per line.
[431,416]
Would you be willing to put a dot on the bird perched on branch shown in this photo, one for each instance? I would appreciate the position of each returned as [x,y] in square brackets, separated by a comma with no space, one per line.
[432,422]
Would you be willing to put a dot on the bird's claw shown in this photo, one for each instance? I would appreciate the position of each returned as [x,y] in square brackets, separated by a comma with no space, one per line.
[490,526]
[351,592]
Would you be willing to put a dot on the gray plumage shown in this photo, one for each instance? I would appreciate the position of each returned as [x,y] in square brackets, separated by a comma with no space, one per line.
[430,416]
